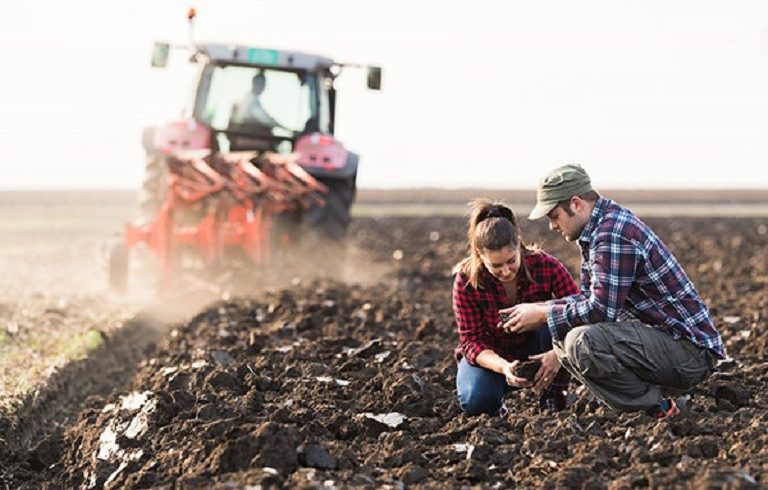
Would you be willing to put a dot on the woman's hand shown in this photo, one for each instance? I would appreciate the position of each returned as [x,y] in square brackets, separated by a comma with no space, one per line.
[509,373]
[524,317]
[550,365]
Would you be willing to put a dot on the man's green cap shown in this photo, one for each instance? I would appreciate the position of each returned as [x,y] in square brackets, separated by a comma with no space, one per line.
[558,185]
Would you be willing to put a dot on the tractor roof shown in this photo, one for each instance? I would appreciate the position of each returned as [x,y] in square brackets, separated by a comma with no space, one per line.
[249,55]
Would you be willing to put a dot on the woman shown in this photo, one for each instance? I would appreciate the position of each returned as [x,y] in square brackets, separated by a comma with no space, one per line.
[500,272]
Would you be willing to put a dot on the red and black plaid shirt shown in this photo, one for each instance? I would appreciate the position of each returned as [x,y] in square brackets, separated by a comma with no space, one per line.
[477,310]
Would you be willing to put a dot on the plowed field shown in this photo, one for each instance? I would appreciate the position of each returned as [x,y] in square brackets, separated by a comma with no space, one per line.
[327,383]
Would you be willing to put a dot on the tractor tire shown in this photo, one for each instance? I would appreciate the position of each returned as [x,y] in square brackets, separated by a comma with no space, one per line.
[285,233]
[332,220]
[154,188]
[118,266]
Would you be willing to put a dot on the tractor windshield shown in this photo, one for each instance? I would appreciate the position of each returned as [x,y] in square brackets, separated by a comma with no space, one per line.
[259,101]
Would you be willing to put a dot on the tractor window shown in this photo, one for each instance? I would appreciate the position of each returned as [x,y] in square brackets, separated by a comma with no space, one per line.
[279,102]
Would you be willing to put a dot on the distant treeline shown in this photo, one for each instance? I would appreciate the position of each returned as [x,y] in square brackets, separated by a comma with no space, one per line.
[418,196]
[516,196]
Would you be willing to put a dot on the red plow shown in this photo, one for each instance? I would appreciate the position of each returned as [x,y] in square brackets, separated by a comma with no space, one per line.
[216,203]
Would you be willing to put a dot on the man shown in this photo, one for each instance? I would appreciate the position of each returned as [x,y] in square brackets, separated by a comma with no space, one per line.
[250,111]
[638,327]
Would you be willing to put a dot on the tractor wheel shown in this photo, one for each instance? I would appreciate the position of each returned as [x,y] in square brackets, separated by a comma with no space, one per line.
[118,266]
[327,227]
[285,233]
[332,220]
[153,188]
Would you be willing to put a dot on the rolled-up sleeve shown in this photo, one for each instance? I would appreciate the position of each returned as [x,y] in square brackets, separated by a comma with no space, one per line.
[612,269]
[469,320]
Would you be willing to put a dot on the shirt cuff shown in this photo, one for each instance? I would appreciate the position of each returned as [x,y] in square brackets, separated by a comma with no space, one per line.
[564,300]
[556,322]
[471,351]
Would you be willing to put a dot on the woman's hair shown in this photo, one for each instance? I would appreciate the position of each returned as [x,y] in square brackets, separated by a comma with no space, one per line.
[492,226]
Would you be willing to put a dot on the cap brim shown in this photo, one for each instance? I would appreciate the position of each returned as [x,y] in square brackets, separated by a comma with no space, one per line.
[542,209]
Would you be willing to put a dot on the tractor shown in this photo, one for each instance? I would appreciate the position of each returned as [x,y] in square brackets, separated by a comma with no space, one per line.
[253,161]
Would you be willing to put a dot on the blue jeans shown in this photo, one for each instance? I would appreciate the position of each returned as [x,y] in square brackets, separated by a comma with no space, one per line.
[481,390]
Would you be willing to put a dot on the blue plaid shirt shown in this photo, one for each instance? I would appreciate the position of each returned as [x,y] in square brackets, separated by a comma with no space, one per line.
[628,272]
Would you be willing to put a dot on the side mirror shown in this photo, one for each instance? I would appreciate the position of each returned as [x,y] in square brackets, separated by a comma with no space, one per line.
[160,54]
[374,77]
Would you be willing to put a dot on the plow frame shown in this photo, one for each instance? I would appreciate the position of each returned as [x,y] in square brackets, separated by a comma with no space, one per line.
[239,200]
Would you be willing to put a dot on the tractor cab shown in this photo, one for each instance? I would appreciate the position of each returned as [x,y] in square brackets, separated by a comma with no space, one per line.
[263,99]
[252,108]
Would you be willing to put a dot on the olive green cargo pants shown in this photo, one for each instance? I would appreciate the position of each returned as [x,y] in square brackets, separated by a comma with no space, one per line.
[631,366]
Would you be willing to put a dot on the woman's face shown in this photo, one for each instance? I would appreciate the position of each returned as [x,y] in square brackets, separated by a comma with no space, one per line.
[503,264]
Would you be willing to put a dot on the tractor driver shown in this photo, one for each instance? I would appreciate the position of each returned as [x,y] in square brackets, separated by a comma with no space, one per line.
[249,110]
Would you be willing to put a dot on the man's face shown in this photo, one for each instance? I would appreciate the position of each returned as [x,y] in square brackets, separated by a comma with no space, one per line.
[568,225]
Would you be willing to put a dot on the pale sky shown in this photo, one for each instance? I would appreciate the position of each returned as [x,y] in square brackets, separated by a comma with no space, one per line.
[476,93]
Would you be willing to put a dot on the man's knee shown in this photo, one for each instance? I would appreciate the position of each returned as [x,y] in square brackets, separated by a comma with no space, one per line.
[579,345]
[475,401]
[574,344]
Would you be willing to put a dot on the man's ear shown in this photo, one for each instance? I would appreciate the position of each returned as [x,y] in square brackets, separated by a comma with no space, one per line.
[578,205]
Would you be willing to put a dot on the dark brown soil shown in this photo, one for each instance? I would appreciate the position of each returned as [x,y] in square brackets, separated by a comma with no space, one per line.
[328,384]
[528,369]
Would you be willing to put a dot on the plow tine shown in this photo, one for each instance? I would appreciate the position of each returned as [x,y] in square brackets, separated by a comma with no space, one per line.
[281,180]
[236,193]
[192,179]
[305,177]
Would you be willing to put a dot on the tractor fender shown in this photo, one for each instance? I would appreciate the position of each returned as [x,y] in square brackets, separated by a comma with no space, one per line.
[325,157]
[348,171]
[185,134]
[350,166]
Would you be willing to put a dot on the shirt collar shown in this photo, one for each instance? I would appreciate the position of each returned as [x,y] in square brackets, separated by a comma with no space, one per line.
[487,279]
[594,218]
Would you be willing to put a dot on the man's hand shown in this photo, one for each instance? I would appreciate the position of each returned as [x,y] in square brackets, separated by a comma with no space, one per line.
[550,365]
[512,380]
[524,317]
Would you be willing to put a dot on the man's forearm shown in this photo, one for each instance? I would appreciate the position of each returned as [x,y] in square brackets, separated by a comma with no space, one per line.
[542,313]
[538,315]
[525,317]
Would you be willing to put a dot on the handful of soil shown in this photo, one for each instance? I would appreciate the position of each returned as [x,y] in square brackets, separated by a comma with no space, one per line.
[528,369]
